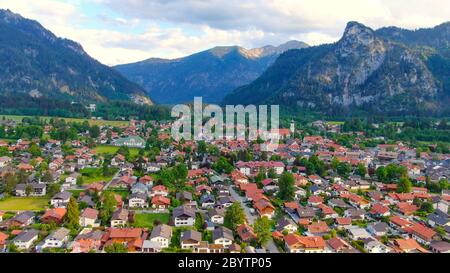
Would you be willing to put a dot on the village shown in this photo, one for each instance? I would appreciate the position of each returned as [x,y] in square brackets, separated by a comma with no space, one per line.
[130,188]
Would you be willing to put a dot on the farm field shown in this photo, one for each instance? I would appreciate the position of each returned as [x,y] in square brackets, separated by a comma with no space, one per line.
[91,121]
[24,203]
[146,220]
[112,150]
[94,175]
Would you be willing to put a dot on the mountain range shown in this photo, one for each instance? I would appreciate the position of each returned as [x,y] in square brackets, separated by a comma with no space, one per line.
[38,64]
[210,74]
[388,71]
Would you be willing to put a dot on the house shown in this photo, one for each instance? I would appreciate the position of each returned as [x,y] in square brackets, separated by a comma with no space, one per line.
[421,233]
[26,239]
[235,248]
[5,161]
[60,200]
[246,233]
[35,189]
[140,188]
[159,190]
[217,215]
[55,215]
[206,247]
[302,244]
[357,233]
[372,245]
[72,178]
[318,229]
[380,210]
[160,202]
[438,218]
[190,239]
[264,207]
[56,239]
[162,235]
[328,212]
[440,247]
[131,142]
[86,199]
[1,215]
[151,247]
[305,212]
[378,229]
[133,238]
[86,241]
[335,202]
[207,201]
[406,208]
[338,245]
[21,219]
[185,197]
[355,214]
[120,218]
[408,246]
[286,224]
[3,241]
[224,202]
[183,216]
[223,236]
[343,222]
[138,200]
[89,217]
[315,200]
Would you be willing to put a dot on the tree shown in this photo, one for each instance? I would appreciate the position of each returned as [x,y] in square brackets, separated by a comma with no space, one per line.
[73,214]
[109,206]
[262,228]
[80,181]
[287,187]
[53,189]
[234,216]
[116,248]
[34,149]
[361,170]
[94,131]
[404,185]
[381,174]
[427,207]
[47,177]
[344,169]
[222,166]
[199,221]
[28,190]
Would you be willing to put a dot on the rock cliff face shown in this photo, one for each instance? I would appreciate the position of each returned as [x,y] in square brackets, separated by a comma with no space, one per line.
[36,63]
[365,70]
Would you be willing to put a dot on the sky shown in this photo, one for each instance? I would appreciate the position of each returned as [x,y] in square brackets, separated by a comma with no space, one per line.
[124,31]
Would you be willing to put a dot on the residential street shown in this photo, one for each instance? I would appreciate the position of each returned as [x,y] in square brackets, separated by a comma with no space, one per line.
[271,247]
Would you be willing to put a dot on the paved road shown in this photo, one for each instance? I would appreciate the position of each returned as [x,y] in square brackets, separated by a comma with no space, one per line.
[250,217]
[271,247]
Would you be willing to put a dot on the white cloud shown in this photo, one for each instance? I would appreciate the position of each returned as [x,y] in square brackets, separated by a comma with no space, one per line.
[176,28]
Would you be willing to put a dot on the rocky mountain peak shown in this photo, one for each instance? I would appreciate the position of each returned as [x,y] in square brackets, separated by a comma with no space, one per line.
[357,33]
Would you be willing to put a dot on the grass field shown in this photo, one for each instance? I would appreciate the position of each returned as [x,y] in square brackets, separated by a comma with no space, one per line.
[111,150]
[91,121]
[146,220]
[94,175]
[24,203]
